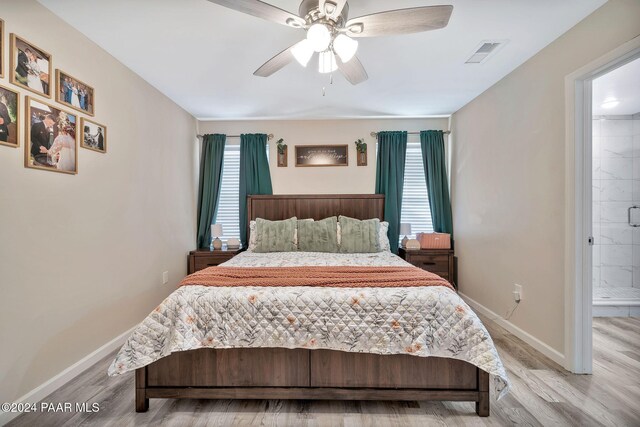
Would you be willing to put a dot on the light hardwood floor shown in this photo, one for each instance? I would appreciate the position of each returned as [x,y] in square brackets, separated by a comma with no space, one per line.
[542,394]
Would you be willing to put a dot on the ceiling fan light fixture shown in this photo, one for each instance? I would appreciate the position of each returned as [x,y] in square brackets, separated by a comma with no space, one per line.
[303,52]
[327,62]
[345,47]
[319,36]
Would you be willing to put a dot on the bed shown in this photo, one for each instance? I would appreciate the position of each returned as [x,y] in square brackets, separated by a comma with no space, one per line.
[369,343]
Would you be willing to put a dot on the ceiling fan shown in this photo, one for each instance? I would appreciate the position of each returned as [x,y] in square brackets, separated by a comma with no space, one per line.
[332,35]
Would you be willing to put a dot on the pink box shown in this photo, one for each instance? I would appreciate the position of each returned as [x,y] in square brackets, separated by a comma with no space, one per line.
[434,240]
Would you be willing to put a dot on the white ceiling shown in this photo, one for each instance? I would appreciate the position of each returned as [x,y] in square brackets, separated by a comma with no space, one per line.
[621,84]
[203,55]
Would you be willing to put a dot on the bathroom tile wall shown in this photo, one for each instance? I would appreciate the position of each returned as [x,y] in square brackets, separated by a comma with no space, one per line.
[616,187]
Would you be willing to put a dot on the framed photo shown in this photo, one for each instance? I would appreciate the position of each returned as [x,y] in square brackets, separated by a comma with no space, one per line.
[30,67]
[9,117]
[322,155]
[74,93]
[51,142]
[94,135]
[1,48]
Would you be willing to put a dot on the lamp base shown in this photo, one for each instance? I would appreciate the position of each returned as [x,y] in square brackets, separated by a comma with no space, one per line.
[404,242]
[217,244]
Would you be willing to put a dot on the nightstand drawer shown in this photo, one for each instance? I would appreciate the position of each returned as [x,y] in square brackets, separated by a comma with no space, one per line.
[204,258]
[202,262]
[433,263]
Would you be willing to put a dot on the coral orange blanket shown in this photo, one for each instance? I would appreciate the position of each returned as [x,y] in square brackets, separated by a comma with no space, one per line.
[342,277]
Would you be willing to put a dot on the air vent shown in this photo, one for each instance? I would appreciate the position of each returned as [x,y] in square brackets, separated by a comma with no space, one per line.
[486,49]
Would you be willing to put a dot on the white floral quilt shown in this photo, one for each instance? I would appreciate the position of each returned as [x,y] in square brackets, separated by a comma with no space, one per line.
[421,321]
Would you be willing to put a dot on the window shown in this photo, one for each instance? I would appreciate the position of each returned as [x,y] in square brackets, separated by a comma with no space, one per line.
[228,213]
[415,200]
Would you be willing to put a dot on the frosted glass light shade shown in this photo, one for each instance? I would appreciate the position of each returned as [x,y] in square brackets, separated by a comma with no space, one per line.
[319,36]
[327,62]
[303,52]
[405,228]
[345,47]
[216,230]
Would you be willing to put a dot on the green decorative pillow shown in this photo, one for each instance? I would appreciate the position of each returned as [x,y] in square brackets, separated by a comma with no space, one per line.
[358,236]
[275,236]
[318,236]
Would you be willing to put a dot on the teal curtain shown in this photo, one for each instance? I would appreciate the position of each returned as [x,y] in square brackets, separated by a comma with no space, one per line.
[392,151]
[209,189]
[255,177]
[435,172]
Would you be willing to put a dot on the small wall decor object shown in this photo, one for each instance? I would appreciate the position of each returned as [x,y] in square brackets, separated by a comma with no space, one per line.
[74,93]
[51,142]
[94,135]
[361,150]
[1,48]
[9,116]
[216,231]
[322,155]
[283,153]
[30,67]
[405,228]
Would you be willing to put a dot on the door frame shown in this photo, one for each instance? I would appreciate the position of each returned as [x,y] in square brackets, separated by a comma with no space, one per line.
[578,298]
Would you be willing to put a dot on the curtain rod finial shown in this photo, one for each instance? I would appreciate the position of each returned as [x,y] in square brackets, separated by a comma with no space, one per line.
[270,136]
[374,134]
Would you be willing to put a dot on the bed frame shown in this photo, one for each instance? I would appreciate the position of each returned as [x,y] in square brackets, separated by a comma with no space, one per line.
[278,373]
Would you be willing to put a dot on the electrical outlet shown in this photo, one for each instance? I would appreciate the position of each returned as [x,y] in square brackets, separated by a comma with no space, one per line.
[517,293]
[165,277]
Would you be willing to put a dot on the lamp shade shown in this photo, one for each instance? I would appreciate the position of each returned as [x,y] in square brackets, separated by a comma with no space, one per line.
[345,47]
[303,51]
[405,228]
[216,230]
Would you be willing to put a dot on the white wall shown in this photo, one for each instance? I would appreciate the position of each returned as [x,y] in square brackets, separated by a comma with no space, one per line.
[508,177]
[350,179]
[81,257]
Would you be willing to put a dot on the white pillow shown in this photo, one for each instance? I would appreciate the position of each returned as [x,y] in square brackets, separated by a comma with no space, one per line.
[383,236]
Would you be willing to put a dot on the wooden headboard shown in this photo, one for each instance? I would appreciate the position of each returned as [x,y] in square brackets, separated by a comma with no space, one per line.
[316,206]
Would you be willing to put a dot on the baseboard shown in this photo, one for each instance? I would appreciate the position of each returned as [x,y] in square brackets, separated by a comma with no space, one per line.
[54,383]
[534,342]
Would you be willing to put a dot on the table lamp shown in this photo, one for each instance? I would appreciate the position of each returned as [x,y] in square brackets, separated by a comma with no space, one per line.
[216,231]
[405,228]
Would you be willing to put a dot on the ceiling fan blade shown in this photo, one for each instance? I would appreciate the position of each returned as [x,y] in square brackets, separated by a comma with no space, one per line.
[263,10]
[335,7]
[402,21]
[277,63]
[353,70]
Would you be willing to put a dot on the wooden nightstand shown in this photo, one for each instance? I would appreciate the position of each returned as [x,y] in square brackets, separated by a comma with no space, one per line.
[438,261]
[203,258]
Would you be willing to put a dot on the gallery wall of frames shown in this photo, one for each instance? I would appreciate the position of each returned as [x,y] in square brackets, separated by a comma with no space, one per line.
[53,129]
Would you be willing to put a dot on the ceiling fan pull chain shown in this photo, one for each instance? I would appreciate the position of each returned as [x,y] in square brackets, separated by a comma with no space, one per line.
[323,91]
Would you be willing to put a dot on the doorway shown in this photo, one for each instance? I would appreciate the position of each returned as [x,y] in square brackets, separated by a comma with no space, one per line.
[615,130]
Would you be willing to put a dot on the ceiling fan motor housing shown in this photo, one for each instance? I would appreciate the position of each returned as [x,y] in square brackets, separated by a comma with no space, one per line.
[310,12]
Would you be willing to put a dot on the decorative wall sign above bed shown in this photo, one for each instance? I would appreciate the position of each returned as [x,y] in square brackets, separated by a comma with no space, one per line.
[322,155]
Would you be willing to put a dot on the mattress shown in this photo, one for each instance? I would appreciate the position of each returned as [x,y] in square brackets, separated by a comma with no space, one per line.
[418,321]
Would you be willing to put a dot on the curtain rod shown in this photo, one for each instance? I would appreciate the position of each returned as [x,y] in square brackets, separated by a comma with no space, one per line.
[270,136]
[446,132]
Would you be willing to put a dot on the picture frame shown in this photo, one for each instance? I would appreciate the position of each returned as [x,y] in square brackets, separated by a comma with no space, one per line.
[30,67]
[93,135]
[71,94]
[1,48]
[9,108]
[322,155]
[51,141]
